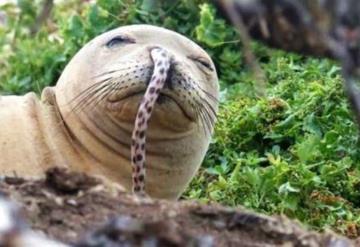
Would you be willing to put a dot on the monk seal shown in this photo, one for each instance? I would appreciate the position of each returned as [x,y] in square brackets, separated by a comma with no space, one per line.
[86,122]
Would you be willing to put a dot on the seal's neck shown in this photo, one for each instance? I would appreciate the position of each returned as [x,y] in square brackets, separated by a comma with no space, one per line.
[86,142]
[64,148]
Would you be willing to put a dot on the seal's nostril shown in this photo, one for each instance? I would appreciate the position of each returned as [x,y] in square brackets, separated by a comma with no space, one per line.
[169,77]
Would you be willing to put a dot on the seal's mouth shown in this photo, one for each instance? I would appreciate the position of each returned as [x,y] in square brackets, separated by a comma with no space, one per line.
[164,97]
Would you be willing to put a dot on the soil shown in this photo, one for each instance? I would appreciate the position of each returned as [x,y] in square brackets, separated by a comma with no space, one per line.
[85,211]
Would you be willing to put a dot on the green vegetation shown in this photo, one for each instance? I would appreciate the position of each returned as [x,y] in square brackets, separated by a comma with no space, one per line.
[294,152]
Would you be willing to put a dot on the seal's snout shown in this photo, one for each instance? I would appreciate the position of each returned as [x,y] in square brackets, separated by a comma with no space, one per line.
[168,60]
[166,56]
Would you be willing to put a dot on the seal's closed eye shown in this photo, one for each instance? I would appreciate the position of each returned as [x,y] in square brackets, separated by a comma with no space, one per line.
[118,40]
[202,62]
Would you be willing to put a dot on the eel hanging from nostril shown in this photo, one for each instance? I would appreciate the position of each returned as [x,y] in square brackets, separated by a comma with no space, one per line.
[161,60]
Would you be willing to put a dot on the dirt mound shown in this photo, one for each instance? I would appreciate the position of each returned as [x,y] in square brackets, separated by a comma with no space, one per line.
[83,211]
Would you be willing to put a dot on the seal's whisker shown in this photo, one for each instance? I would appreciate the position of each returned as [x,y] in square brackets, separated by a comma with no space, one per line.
[209,106]
[209,114]
[209,109]
[209,95]
[84,96]
[101,96]
[196,113]
[208,119]
[88,96]
[200,117]
[109,91]
[204,109]
[106,73]
[205,122]
[82,93]
[116,87]
[206,101]
[208,123]
[111,72]
[97,95]
[206,104]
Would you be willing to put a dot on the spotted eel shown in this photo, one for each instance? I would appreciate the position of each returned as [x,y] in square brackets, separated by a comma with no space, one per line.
[161,60]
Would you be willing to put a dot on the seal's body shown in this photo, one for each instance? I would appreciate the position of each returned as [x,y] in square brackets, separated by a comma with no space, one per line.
[33,137]
[86,121]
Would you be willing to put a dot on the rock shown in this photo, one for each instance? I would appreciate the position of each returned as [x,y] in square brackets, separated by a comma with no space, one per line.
[99,217]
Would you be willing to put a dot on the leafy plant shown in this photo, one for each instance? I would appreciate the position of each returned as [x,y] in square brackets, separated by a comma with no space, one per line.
[295,152]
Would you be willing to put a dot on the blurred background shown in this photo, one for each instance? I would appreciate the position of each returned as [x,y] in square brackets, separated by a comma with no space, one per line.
[294,151]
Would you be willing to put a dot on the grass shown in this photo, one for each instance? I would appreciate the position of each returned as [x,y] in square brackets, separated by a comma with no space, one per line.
[294,152]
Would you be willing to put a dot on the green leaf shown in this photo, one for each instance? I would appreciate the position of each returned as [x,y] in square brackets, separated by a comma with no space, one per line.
[210,31]
[286,188]
[307,149]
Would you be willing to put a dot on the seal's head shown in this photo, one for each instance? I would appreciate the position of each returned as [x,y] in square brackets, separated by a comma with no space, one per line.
[99,94]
